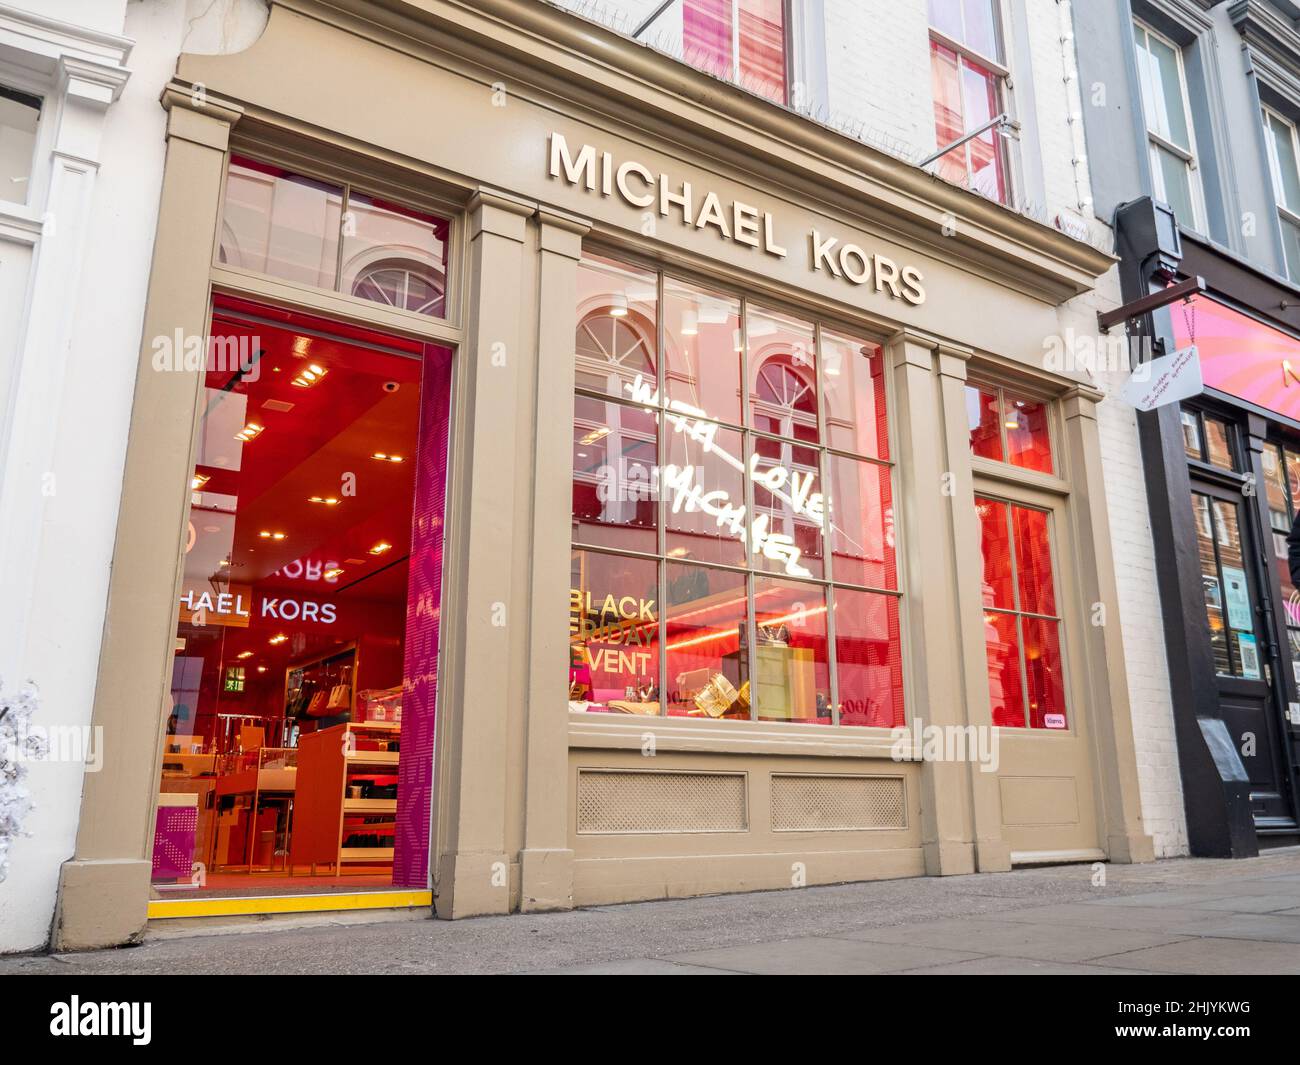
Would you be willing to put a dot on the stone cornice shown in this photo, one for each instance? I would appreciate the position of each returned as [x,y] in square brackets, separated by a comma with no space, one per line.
[575,60]
[53,38]
[1273,41]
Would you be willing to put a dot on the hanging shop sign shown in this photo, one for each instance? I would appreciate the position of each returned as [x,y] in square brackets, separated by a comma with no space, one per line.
[1168,379]
[741,223]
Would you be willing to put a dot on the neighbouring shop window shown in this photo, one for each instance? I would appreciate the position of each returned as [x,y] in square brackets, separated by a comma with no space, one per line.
[1284,166]
[295,654]
[967,78]
[333,236]
[1229,606]
[1171,140]
[1282,485]
[19,114]
[1009,427]
[733,535]
[1021,618]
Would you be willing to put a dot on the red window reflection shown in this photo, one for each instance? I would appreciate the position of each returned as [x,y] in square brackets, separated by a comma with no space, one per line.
[739,40]
[1009,428]
[707,671]
[792,676]
[615,465]
[868,654]
[614,634]
[862,523]
[855,396]
[1022,631]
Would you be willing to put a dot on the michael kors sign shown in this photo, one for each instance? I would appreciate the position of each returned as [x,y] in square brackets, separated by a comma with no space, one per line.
[638,186]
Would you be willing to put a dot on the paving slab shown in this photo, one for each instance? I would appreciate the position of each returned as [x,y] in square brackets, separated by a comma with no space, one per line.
[814,956]
[997,965]
[1213,957]
[1043,942]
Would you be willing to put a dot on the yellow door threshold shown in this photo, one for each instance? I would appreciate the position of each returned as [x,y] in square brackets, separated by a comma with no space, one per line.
[162,909]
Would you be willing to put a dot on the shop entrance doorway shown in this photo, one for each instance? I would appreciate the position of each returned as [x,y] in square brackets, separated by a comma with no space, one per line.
[297,750]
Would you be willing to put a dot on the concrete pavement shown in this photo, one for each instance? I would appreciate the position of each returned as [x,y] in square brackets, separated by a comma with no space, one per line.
[1180,916]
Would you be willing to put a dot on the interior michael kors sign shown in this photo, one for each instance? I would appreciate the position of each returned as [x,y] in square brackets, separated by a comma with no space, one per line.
[638,186]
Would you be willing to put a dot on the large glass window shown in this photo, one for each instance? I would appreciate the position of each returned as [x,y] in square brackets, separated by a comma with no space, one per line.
[1170,136]
[1021,622]
[334,237]
[1282,485]
[19,115]
[967,79]
[733,527]
[1284,166]
[1229,608]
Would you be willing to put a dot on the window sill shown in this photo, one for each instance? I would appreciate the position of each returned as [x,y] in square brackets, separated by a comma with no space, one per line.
[19,223]
[594,730]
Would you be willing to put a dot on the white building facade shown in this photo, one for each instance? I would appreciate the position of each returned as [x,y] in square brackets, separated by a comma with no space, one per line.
[81,158]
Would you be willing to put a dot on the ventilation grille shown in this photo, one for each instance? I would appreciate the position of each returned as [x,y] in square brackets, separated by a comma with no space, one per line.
[806,803]
[654,801]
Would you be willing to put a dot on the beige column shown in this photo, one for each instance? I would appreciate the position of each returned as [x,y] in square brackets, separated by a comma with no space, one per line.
[104,888]
[486,598]
[970,658]
[1107,683]
[932,623]
[546,862]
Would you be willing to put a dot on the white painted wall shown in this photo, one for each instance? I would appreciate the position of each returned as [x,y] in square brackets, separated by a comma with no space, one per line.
[71,361]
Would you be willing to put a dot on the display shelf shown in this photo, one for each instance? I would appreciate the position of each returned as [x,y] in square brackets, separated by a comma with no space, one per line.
[325,815]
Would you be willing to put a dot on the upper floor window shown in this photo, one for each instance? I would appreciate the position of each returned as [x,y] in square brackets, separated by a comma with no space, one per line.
[1168,113]
[332,236]
[19,114]
[737,40]
[1280,135]
[969,80]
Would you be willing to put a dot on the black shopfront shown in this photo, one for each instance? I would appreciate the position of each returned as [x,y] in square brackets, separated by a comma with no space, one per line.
[1223,484]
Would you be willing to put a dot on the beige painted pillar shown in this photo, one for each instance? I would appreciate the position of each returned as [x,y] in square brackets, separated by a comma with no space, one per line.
[934,636]
[486,605]
[546,862]
[992,854]
[1106,680]
[104,888]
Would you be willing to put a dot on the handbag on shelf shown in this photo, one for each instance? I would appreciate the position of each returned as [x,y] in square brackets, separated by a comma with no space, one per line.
[317,707]
[340,697]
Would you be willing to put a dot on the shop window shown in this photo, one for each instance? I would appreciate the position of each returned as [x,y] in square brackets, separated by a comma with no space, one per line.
[1171,140]
[1229,609]
[968,83]
[295,655]
[1008,427]
[1208,439]
[1282,486]
[709,477]
[1284,167]
[334,237]
[19,115]
[738,40]
[1021,623]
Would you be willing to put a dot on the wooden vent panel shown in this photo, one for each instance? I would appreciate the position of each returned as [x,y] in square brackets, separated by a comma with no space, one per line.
[817,803]
[626,801]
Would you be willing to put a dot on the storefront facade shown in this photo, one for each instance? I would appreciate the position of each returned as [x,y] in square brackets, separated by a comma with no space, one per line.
[817,485]
[1223,467]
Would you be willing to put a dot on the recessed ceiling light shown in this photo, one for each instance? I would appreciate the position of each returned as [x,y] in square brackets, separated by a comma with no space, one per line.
[329,501]
[330,574]
[267,534]
[381,547]
[383,456]
[279,638]
[310,376]
[244,654]
[251,431]
[199,480]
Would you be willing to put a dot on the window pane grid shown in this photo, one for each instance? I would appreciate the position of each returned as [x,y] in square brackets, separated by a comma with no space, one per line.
[785,666]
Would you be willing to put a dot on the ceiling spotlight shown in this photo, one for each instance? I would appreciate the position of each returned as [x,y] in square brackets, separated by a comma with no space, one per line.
[266,534]
[199,480]
[381,547]
[383,456]
[244,654]
[310,376]
[251,431]
[330,574]
[277,639]
[329,501]
[618,305]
